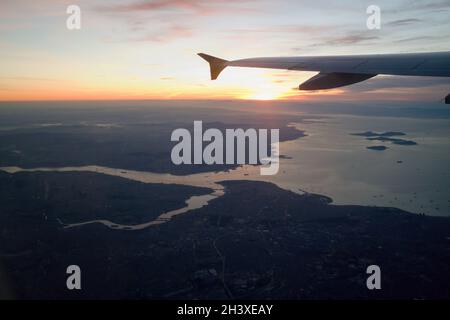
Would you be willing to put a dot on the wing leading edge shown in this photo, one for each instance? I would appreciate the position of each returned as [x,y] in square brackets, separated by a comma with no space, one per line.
[338,71]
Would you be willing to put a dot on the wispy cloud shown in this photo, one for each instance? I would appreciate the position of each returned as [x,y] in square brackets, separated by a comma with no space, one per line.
[197,6]
[167,20]
[167,34]
[403,22]
[350,39]
[421,5]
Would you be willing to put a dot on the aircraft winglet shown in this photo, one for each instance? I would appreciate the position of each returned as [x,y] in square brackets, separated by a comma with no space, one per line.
[215,64]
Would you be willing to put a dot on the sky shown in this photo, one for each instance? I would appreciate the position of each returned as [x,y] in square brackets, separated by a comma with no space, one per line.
[136,49]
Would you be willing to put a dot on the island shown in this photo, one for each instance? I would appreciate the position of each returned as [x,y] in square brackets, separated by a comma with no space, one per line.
[385,137]
[377,148]
[381,134]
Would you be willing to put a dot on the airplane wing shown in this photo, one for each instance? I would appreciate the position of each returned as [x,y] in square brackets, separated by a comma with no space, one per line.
[338,71]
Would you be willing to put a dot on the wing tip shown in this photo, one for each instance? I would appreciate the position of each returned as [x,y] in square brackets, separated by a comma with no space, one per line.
[216,65]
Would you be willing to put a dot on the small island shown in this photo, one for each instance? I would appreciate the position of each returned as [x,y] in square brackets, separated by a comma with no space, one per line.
[394,141]
[377,148]
[387,136]
[381,134]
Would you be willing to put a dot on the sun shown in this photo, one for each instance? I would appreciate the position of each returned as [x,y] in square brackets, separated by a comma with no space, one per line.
[258,85]
[265,93]
[263,96]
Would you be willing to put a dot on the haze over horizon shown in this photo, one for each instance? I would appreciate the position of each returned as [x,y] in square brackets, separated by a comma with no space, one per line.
[147,49]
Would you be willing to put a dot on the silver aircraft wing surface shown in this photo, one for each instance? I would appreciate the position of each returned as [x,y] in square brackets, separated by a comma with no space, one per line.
[339,71]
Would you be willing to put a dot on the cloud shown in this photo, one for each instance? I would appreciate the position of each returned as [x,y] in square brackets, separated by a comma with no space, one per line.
[403,22]
[193,5]
[286,29]
[427,5]
[168,34]
[204,7]
[350,39]
[167,20]
[421,5]
[420,38]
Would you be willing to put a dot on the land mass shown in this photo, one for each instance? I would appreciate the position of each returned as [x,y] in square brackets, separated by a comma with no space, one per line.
[141,141]
[256,241]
